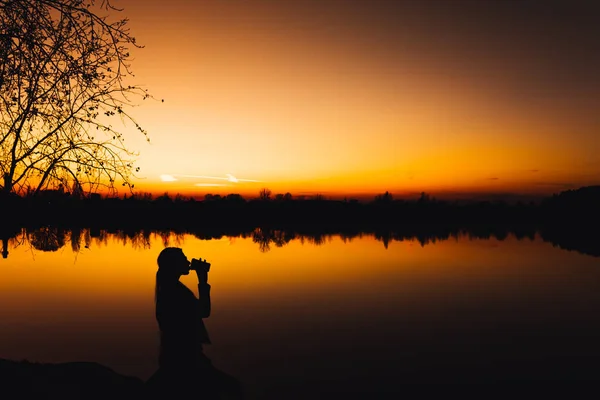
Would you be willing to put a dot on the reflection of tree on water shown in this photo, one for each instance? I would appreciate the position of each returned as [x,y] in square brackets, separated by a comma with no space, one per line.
[170,238]
[4,247]
[11,239]
[136,239]
[47,238]
[53,238]
[79,236]
[75,239]
[264,238]
[316,238]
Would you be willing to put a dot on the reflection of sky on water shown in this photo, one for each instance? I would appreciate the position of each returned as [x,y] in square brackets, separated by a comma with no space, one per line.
[339,310]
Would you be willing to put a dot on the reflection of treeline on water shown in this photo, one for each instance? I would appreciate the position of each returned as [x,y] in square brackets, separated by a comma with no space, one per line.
[49,238]
[567,219]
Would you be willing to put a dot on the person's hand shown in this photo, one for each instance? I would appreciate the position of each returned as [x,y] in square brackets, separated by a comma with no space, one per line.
[201,267]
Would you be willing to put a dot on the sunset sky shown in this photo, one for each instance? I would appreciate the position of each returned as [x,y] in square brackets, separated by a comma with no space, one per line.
[345,97]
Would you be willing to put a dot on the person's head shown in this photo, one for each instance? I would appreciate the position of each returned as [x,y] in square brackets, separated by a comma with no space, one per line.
[172,261]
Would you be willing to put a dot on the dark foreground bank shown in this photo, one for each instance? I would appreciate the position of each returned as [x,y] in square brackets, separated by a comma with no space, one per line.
[87,380]
[72,380]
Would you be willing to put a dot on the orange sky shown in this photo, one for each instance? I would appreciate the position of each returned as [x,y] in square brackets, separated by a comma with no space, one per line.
[362,97]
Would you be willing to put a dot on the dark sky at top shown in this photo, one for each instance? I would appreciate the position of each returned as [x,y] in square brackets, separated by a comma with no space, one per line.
[555,45]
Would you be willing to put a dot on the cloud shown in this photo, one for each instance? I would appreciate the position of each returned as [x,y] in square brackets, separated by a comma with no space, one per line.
[534,170]
[211,184]
[227,177]
[232,178]
[167,178]
[493,179]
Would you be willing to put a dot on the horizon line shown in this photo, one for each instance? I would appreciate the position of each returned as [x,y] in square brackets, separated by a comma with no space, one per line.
[361,196]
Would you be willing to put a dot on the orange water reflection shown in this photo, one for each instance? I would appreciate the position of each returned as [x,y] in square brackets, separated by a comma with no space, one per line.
[275,311]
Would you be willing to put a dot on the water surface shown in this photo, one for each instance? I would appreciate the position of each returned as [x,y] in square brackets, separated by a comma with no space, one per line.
[301,318]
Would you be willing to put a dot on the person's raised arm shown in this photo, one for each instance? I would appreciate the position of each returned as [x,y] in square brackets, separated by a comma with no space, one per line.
[202,267]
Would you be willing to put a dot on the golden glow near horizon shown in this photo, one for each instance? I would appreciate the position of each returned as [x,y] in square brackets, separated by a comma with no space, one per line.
[325,98]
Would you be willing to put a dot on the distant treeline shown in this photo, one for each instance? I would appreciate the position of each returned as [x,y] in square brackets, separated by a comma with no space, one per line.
[60,208]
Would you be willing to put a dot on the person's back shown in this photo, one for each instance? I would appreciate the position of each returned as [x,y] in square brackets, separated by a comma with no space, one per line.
[182,332]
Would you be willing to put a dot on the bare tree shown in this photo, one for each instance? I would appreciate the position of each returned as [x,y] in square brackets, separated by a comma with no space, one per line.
[265,194]
[64,77]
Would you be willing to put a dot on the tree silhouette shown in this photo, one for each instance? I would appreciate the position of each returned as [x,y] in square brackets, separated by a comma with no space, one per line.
[235,198]
[64,77]
[424,198]
[384,198]
[265,194]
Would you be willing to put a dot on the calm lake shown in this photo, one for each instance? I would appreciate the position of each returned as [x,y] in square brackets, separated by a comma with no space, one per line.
[333,316]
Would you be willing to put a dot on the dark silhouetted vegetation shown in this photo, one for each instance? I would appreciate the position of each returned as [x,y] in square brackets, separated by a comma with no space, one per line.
[50,219]
[65,64]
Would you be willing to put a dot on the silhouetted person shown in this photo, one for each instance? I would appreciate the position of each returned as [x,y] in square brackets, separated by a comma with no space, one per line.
[183,366]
